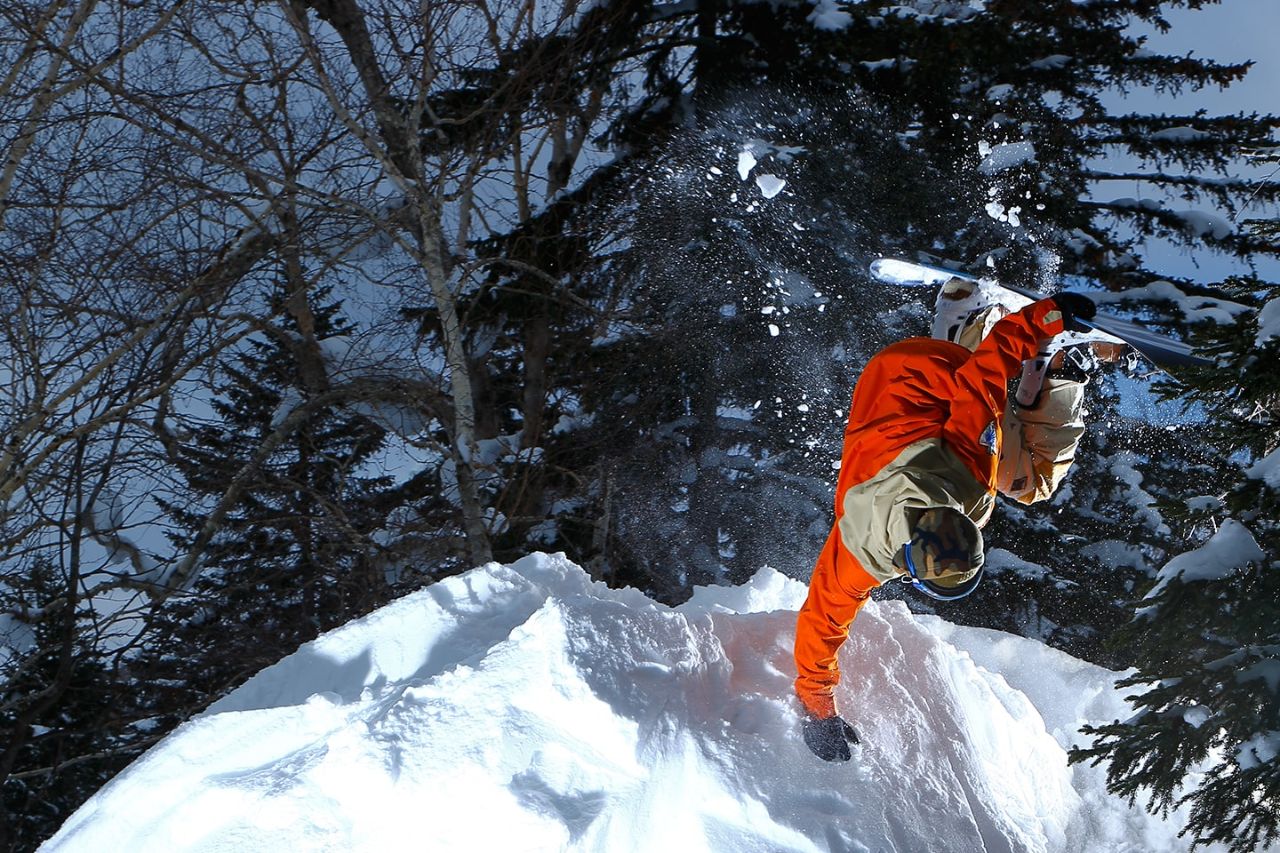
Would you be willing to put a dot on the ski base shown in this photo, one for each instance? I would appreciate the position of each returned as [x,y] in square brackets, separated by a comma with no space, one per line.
[1162,351]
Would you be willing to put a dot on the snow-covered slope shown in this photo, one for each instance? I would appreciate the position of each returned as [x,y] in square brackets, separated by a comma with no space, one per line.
[525,707]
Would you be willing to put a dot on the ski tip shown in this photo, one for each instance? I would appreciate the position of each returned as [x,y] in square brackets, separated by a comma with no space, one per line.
[893,271]
[906,273]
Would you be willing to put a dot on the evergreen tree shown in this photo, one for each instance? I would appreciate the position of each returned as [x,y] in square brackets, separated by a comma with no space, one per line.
[1204,639]
[294,557]
[61,703]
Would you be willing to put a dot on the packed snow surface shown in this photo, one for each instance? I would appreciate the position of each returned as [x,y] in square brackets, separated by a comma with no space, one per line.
[525,707]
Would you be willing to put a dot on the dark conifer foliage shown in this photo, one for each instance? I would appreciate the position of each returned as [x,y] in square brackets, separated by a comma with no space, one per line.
[80,737]
[1204,639]
[295,556]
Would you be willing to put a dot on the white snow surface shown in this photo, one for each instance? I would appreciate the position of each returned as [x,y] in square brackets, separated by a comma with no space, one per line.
[526,707]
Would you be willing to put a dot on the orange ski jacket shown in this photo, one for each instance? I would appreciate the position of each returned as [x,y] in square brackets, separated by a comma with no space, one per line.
[924,430]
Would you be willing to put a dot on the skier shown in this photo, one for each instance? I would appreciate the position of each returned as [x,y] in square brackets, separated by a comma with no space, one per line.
[931,438]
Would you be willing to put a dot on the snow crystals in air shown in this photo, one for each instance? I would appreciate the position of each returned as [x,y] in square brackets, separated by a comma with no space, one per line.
[526,707]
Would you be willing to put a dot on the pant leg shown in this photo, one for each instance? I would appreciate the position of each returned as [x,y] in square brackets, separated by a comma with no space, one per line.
[1039,444]
[838,589]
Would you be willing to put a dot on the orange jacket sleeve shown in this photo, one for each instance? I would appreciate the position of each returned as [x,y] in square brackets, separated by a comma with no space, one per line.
[838,589]
[981,389]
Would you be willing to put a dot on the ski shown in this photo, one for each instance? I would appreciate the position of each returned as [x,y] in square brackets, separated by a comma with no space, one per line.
[1164,352]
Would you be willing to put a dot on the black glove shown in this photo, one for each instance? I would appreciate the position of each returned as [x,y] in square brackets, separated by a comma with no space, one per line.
[829,738]
[1074,307]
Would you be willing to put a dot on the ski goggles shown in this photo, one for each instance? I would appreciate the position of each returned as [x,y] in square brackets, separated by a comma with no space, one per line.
[931,587]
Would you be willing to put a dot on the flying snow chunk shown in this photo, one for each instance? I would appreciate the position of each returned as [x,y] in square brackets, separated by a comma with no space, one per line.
[746,162]
[770,185]
[1008,155]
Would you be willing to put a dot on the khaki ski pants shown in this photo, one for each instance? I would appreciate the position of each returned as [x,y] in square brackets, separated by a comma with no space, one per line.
[1039,444]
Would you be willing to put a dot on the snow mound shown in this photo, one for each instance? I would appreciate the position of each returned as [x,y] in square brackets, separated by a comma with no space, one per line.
[525,707]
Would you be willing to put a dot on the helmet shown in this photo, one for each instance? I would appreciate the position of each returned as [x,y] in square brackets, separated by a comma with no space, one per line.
[944,557]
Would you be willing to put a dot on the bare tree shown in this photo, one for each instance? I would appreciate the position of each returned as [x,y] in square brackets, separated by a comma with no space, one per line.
[179,182]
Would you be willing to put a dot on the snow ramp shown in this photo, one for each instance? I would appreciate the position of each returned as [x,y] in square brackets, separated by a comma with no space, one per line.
[528,708]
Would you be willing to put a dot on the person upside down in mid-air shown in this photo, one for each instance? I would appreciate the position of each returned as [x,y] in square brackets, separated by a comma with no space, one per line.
[931,438]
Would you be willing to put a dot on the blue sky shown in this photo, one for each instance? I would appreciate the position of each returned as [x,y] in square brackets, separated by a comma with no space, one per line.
[1232,31]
